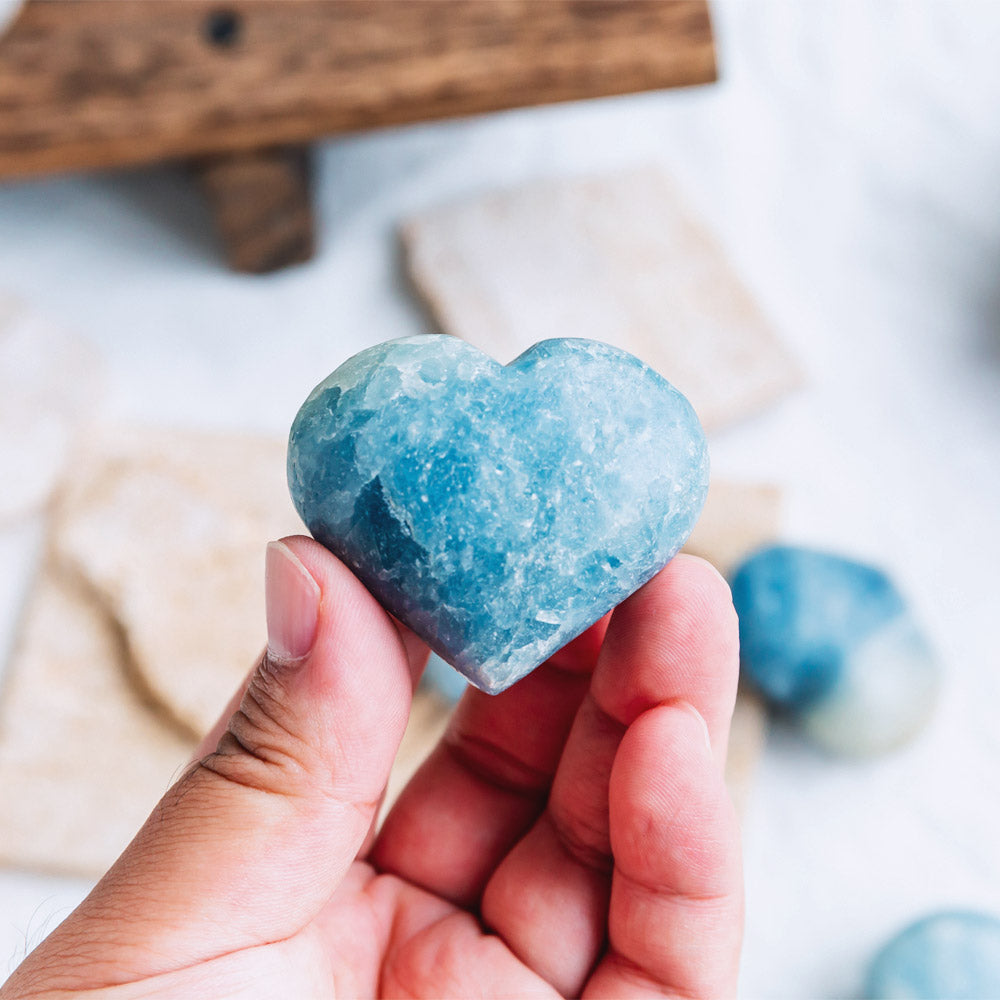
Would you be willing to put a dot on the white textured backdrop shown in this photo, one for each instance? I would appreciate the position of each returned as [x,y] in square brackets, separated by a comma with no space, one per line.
[849,161]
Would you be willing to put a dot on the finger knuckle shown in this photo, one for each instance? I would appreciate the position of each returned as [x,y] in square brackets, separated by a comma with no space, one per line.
[261,747]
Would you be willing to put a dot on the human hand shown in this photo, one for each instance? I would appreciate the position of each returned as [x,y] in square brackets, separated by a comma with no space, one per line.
[571,835]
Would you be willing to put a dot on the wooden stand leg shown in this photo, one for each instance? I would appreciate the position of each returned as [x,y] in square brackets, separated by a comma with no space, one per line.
[261,203]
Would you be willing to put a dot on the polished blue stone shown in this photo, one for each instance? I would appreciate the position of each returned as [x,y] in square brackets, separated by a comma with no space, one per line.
[954,955]
[832,643]
[498,510]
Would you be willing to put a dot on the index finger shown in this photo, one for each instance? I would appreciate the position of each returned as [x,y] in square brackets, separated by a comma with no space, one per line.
[677,638]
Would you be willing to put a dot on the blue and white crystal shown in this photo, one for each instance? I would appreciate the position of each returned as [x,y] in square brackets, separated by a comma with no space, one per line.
[498,510]
[952,954]
[832,643]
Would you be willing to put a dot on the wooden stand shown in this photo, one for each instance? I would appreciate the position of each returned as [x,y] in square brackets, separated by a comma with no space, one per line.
[260,200]
[235,85]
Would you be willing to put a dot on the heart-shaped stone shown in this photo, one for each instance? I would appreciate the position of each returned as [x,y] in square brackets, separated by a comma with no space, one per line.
[498,510]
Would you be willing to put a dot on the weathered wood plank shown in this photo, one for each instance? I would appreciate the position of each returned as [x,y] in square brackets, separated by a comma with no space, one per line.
[91,83]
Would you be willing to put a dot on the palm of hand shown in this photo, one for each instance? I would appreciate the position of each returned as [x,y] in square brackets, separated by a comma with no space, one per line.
[380,936]
[571,836]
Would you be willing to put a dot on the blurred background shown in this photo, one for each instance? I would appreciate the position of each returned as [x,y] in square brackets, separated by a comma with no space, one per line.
[845,167]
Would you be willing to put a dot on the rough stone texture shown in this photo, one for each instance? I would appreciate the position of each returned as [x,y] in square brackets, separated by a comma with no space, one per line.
[953,955]
[82,758]
[619,258]
[498,511]
[832,643]
[167,528]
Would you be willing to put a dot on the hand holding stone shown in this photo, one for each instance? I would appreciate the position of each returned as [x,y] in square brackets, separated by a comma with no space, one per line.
[571,835]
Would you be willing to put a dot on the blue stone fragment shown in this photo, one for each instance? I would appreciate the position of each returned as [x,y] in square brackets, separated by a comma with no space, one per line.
[831,642]
[448,683]
[498,510]
[954,955]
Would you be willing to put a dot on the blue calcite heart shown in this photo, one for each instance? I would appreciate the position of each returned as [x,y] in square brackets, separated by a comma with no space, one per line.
[950,954]
[498,510]
[831,642]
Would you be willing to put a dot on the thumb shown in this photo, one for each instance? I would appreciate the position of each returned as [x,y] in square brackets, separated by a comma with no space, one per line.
[256,836]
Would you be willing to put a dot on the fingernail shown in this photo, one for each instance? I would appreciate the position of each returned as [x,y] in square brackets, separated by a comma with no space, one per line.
[291,598]
[691,710]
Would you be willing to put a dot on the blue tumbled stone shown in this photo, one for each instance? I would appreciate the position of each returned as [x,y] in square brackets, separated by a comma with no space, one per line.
[831,642]
[439,677]
[954,955]
[498,510]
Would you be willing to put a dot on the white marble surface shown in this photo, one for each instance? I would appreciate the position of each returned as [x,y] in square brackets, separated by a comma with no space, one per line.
[850,163]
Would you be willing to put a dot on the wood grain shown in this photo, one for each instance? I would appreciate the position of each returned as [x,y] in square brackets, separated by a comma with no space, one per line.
[261,206]
[92,83]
